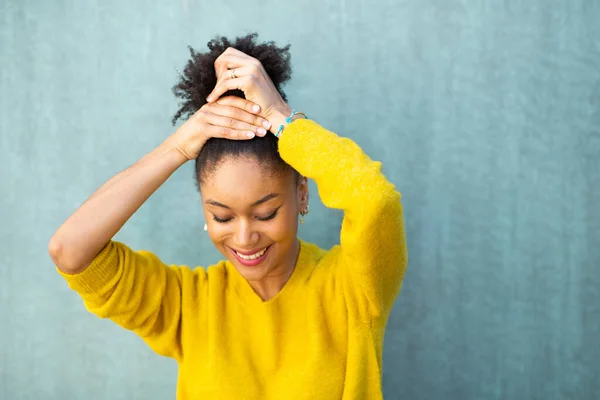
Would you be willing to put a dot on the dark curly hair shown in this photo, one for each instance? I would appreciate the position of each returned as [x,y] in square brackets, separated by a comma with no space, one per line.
[199,79]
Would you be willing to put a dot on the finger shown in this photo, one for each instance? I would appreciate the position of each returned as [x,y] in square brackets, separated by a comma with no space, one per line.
[233,58]
[234,101]
[229,133]
[234,51]
[234,71]
[241,109]
[249,70]
[228,62]
[225,85]
[242,71]
[233,119]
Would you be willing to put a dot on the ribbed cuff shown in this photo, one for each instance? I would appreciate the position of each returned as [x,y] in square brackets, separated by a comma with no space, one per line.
[102,269]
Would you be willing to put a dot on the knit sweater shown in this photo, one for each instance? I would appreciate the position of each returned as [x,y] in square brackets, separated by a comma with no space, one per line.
[320,337]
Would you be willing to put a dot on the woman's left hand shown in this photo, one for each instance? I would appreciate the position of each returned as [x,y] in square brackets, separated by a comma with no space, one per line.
[237,70]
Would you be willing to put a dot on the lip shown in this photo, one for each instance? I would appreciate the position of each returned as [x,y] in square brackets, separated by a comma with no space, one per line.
[250,263]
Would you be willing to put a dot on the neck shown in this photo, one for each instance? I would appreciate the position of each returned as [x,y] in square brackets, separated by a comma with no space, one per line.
[271,285]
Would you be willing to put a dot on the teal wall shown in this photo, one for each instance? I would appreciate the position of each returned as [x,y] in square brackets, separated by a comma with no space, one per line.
[486,116]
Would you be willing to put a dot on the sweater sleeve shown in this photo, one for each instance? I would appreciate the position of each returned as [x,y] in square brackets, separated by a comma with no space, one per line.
[372,239]
[139,292]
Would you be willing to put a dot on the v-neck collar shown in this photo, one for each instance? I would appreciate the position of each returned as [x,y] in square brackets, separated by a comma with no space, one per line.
[247,294]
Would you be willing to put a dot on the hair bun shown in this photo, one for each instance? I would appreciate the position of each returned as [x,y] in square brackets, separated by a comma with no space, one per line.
[199,77]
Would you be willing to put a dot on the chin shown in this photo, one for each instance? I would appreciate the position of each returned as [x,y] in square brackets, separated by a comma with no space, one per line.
[254,273]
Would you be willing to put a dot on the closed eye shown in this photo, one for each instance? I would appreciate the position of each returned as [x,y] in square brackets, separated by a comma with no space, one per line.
[221,221]
[267,218]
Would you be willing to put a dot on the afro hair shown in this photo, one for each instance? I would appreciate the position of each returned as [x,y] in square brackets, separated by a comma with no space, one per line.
[199,77]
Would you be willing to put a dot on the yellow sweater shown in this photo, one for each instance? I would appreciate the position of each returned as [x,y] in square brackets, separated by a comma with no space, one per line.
[321,337]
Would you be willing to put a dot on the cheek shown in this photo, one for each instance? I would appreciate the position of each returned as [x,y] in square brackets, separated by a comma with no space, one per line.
[283,227]
[216,231]
[219,232]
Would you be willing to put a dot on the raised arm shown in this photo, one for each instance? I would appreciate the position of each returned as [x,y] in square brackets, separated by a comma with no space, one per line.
[135,289]
[373,245]
[88,230]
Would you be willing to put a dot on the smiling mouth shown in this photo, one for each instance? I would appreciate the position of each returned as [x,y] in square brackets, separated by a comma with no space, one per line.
[252,256]
[251,259]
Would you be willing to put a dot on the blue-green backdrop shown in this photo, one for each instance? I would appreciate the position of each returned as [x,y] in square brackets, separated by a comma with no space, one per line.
[485,114]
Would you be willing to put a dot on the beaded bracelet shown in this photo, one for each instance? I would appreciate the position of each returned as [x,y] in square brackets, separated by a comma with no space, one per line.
[289,120]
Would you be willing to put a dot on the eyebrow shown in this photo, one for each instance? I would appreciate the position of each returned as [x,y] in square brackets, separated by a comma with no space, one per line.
[256,203]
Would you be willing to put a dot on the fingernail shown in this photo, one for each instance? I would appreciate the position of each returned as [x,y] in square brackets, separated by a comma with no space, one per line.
[266,124]
[255,108]
[261,131]
[250,135]
[208,99]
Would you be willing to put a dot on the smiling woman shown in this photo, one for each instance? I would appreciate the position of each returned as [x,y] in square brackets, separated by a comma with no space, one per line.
[278,318]
[250,210]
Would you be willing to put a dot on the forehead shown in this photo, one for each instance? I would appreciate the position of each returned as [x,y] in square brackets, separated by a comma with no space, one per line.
[244,180]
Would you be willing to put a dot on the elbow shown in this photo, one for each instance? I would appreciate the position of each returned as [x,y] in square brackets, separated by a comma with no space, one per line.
[384,196]
[60,258]
[54,250]
[389,205]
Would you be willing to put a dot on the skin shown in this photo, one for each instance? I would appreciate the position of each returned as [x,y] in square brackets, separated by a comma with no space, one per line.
[236,222]
[83,235]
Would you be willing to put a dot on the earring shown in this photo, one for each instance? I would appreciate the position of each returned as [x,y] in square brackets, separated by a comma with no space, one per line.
[303,213]
[205,227]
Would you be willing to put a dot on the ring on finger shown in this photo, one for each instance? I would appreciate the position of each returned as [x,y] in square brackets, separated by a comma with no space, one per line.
[232,73]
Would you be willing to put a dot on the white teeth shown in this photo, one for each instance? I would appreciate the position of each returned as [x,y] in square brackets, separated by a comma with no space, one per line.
[253,256]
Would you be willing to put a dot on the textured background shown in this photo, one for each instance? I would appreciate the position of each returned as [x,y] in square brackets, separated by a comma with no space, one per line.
[486,115]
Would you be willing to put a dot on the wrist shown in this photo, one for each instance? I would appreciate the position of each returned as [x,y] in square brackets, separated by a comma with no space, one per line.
[180,152]
[280,119]
[278,116]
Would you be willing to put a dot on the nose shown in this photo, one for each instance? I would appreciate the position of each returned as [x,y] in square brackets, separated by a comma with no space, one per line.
[245,235]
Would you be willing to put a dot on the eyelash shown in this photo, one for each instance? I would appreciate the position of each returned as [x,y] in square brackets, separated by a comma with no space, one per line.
[270,217]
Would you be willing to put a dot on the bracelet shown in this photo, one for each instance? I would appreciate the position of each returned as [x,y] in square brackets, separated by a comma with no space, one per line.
[289,120]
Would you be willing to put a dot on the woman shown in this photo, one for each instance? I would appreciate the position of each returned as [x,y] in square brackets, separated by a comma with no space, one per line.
[279,318]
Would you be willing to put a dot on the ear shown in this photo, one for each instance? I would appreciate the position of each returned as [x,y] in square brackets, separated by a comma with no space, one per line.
[302,193]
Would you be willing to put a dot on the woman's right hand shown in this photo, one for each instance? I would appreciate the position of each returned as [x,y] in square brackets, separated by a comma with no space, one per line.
[230,117]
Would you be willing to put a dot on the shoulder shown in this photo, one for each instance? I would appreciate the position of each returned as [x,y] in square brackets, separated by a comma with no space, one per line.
[221,268]
[220,274]
[318,256]
[200,274]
